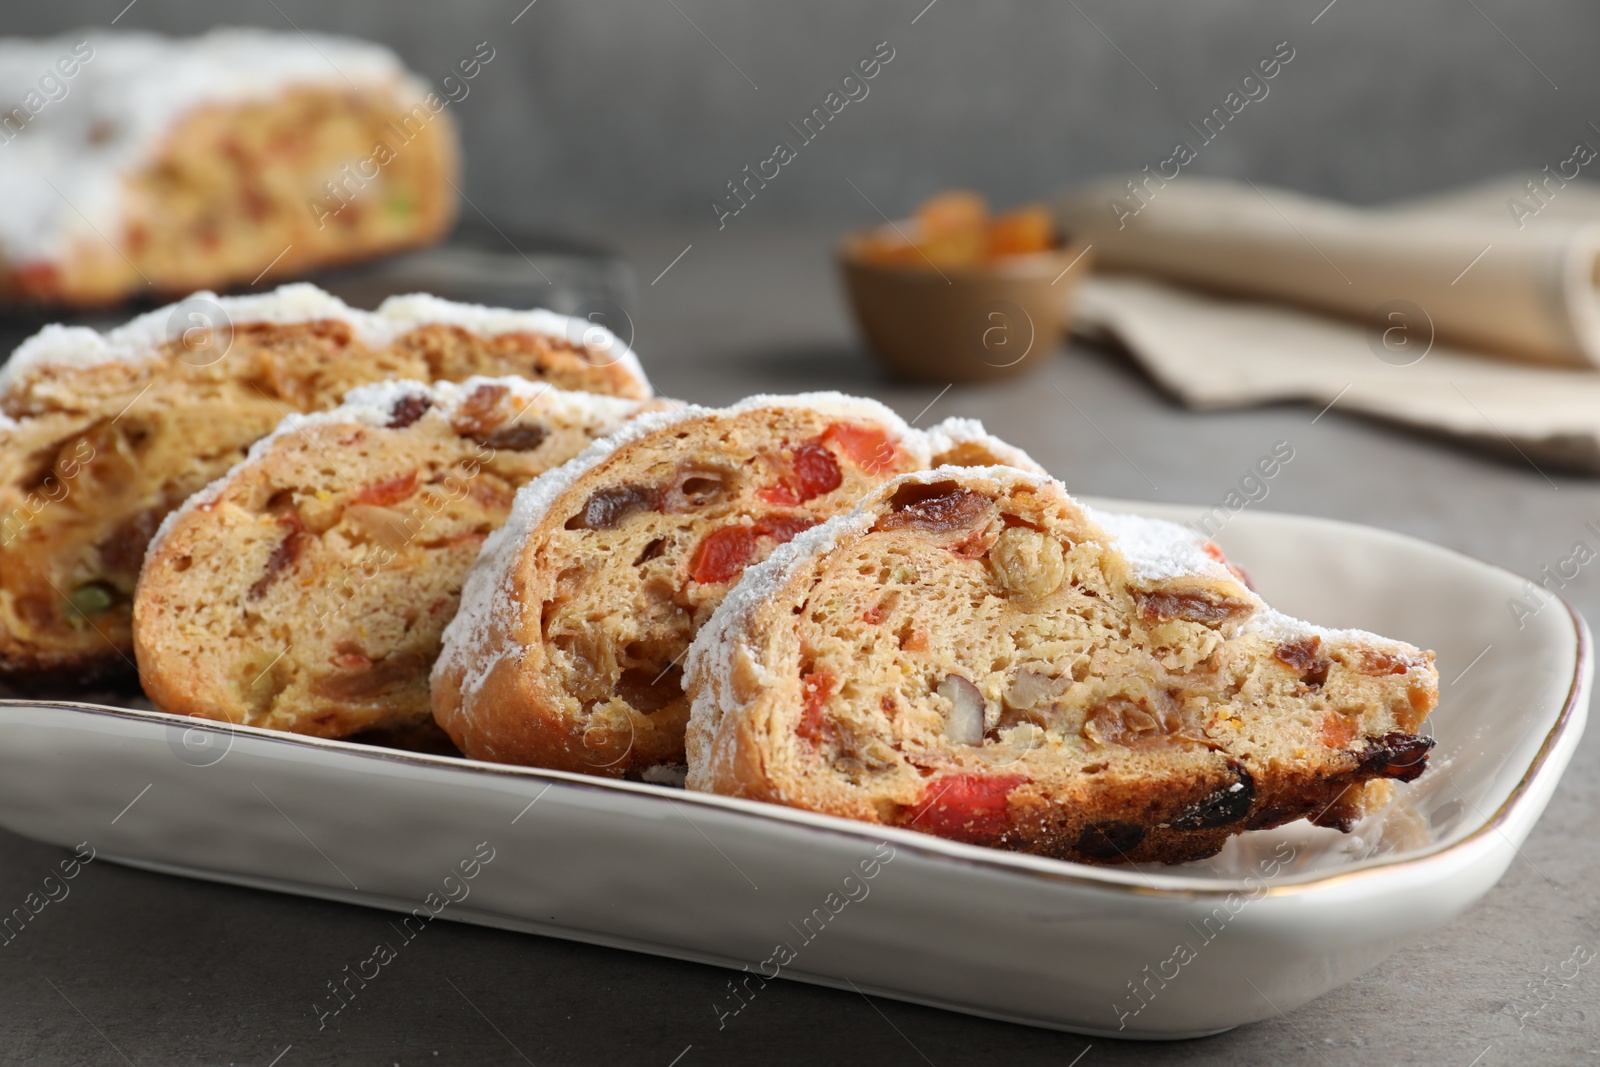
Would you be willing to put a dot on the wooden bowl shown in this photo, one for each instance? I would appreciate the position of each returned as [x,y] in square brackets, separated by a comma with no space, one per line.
[963,324]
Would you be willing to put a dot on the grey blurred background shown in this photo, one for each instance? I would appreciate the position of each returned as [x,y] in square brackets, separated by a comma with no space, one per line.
[606,111]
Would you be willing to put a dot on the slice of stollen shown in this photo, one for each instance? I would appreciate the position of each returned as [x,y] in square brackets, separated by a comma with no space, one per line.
[568,649]
[101,435]
[308,588]
[972,654]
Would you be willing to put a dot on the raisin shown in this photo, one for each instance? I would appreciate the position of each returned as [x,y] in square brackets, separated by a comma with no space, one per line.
[408,410]
[938,507]
[1396,755]
[515,437]
[479,413]
[651,551]
[966,807]
[283,555]
[1301,655]
[868,447]
[122,552]
[1120,721]
[1382,663]
[1108,840]
[1190,607]
[388,492]
[649,689]
[693,488]
[608,508]
[1223,806]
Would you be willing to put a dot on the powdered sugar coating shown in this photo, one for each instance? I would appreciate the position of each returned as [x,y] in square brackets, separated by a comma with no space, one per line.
[956,431]
[487,600]
[373,405]
[1269,624]
[1158,550]
[65,174]
[143,337]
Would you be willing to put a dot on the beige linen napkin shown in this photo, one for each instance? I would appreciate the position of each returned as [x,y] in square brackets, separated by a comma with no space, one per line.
[1442,313]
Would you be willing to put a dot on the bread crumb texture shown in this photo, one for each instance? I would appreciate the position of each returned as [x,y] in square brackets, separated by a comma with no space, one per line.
[105,434]
[569,648]
[309,588]
[972,654]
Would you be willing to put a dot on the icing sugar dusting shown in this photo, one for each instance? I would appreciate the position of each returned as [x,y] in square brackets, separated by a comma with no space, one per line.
[956,431]
[1158,550]
[141,338]
[123,100]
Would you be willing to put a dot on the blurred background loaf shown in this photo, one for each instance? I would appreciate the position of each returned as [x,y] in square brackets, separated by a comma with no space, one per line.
[615,111]
[140,163]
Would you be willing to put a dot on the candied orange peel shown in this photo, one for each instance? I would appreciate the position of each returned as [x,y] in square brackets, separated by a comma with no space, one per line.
[955,229]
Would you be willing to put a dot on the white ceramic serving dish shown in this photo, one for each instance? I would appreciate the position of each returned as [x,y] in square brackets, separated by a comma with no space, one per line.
[1278,918]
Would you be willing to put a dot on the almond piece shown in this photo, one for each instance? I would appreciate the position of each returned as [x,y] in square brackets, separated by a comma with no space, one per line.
[964,724]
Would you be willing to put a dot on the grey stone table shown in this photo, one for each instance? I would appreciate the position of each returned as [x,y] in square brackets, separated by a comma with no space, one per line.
[140,968]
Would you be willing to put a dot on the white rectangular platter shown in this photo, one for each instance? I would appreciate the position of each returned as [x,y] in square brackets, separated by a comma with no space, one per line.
[1278,918]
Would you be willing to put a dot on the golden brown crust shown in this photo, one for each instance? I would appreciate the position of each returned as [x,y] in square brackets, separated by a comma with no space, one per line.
[972,656]
[99,454]
[239,189]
